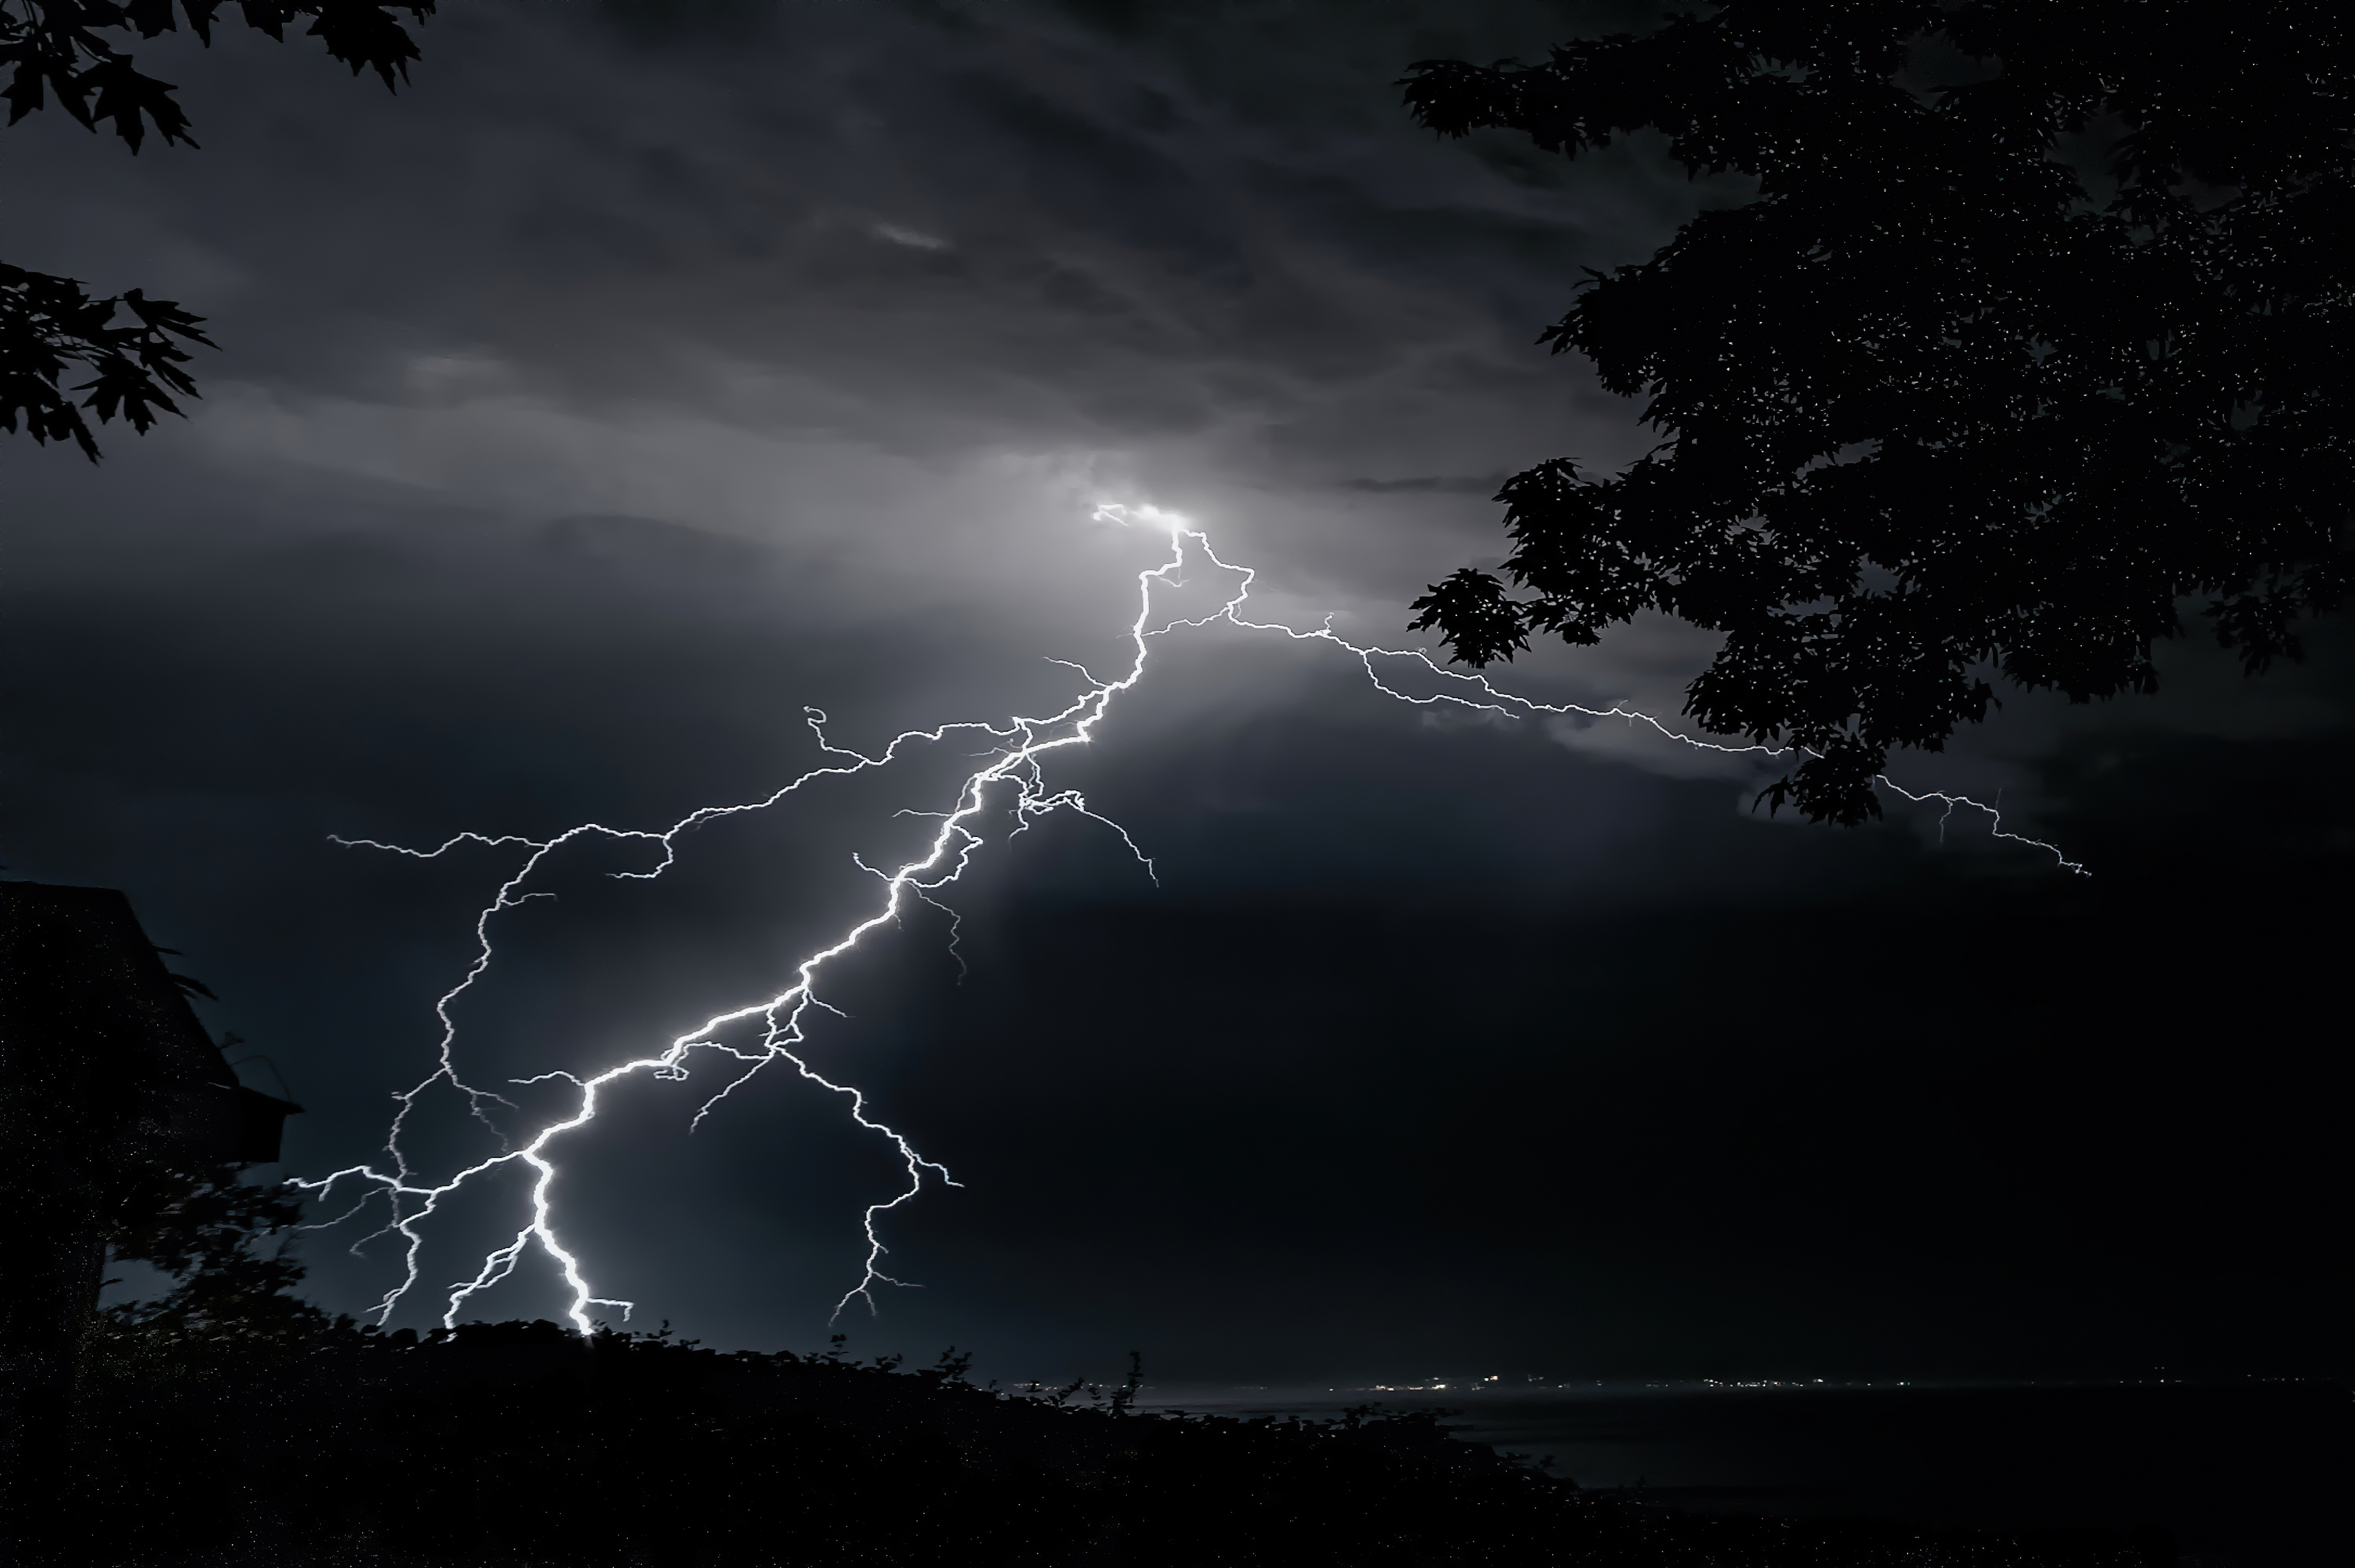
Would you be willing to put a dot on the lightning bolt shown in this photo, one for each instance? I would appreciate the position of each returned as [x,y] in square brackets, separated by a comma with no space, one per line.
[1016,752]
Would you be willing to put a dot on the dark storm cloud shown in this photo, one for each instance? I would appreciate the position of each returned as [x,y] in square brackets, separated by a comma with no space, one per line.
[1455,484]
[642,375]
[1114,204]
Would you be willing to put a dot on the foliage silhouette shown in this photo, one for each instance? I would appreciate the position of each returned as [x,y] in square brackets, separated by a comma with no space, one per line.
[229,1424]
[205,1230]
[61,51]
[1930,404]
[522,1443]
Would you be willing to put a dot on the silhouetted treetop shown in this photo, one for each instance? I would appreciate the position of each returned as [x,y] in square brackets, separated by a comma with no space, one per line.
[2038,323]
[205,1228]
[71,53]
[48,324]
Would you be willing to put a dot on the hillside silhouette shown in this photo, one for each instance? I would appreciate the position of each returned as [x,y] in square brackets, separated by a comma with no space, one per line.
[524,1444]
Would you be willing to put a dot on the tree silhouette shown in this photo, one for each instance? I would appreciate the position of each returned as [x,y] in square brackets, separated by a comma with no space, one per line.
[207,1230]
[2039,321]
[61,51]
[510,1445]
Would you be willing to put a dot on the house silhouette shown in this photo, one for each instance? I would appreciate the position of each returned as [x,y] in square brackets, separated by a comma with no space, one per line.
[103,1063]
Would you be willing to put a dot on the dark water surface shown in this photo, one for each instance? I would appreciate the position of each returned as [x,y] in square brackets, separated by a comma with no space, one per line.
[2245,1475]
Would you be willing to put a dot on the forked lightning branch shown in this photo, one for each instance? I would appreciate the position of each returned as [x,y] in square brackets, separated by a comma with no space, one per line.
[771,1033]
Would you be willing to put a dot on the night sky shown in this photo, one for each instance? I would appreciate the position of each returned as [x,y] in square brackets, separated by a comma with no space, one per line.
[646,374]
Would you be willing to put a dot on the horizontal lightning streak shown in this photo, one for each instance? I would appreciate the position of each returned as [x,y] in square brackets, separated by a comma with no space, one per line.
[1017,749]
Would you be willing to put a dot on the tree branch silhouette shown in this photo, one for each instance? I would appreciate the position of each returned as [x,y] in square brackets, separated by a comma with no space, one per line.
[68,53]
[1932,410]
